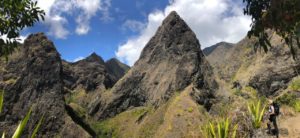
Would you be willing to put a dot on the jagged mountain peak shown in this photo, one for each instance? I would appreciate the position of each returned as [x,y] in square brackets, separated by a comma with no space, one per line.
[115,62]
[173,38]
[172,19]
[94,58]
[171,61]
[116,68]
[36,69]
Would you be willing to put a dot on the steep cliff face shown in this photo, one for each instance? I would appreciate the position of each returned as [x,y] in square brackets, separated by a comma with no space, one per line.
[171,61]
[32,79]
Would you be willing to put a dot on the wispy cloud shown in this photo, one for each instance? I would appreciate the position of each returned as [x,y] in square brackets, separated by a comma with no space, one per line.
[212,21]
[133,25]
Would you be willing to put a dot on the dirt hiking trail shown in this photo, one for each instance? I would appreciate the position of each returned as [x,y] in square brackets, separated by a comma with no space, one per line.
[290,127]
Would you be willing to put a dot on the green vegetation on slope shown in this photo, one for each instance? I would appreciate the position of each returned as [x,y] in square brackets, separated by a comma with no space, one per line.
[220,129]
[113,127]
[289,99]
[295,84]
[256,110]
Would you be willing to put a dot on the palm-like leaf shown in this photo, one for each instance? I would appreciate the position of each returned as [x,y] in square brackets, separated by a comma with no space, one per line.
[22,125]
[37,127]
[212,130]
[256,113]
[234,131]
[1,99]
[220,130]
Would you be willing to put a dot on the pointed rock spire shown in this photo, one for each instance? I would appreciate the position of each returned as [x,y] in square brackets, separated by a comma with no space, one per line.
[173,38]
[171,61]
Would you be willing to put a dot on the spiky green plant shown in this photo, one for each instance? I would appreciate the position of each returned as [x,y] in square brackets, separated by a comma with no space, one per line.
[37,127]
[1,99]
[221,129]
[23,123]
[256,110]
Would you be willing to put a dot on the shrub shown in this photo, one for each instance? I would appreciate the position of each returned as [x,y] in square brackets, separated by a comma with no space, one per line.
[221,129]
[297,106]
[256,110]
[289,100]
[295,85]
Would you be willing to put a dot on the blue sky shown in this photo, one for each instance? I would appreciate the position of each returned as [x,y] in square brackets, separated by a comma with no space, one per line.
[121,28]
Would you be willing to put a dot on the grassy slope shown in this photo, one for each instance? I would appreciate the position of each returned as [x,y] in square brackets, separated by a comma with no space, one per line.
[179,117]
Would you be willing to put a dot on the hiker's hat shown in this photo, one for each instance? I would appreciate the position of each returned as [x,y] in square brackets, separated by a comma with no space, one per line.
[270,101]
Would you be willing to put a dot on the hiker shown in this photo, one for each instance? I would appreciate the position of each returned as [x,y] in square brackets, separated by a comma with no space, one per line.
[273,112]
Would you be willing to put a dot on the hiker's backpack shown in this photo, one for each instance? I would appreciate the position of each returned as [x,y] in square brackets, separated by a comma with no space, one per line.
[276,109]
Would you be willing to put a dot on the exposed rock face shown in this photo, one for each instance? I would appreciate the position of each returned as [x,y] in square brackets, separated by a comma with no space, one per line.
[116,68]
[32,78]
[171,61]
[275,69]
[87,78]
[89,73]
[266,72]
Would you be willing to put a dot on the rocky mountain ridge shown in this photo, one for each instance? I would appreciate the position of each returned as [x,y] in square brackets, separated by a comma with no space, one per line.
[269,73]
[172,89]
[35,77]
[93,73]
[32,79]
[171,61]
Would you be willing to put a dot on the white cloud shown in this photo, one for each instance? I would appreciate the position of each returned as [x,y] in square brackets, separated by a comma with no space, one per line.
[56,26]
[212,21]
[78,58]
[81,10]
[133,25]
[106,4]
